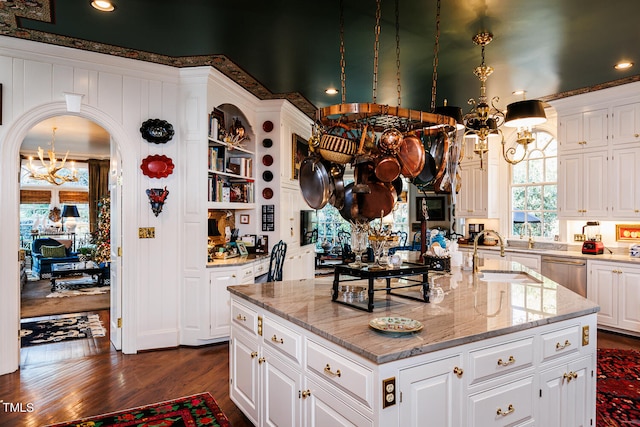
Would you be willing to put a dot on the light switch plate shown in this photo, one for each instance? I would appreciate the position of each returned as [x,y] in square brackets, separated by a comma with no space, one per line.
[147,233]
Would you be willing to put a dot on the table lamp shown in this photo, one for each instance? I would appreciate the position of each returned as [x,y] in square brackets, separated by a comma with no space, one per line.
[71,213]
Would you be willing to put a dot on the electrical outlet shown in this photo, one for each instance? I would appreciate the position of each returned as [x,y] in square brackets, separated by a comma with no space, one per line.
[585,335]
[388,392]
[578,238]
[147,233]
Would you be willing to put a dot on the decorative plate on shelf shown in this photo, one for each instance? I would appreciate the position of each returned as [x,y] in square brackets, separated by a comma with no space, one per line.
[267,176]
[267,143]
[157,131]
[267,126]
[267,193]
[157,166]
[267,160]
[395,324]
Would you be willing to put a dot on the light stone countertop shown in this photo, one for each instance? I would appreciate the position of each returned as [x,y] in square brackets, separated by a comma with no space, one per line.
[469,310]
[237,261]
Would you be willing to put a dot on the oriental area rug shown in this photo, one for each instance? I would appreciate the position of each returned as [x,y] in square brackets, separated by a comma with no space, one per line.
[191,411]
[618,388]
[53,329]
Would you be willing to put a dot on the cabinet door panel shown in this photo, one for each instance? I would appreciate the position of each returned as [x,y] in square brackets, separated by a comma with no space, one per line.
[626,123]
[595,129]
[431,392]
[220,303]
[281,385]
[570,185]
[595,184]
[626,191]
[244,387]
[602,290]
[629,299]
[325,409]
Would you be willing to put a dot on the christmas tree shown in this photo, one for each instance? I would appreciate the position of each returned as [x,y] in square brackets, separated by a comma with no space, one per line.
[102,235]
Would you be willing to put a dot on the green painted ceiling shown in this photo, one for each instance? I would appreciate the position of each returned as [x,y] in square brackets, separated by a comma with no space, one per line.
[546,47]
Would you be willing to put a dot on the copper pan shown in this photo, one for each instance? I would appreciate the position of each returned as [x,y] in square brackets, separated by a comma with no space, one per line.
[380,202]
[411,156]
[387,168]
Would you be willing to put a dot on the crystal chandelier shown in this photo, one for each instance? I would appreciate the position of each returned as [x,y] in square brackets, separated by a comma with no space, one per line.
[52,168]
[485,119]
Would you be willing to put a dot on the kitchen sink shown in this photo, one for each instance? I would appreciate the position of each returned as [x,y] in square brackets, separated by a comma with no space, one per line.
[507,277]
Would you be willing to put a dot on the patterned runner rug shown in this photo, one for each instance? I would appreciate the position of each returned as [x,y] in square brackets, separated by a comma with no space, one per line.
[618,388]
[52,329]
[197,410]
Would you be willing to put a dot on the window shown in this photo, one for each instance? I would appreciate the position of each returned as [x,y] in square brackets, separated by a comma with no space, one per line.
[534,189]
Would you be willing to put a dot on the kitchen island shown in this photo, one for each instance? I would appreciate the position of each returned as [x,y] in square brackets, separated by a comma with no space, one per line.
[494,349]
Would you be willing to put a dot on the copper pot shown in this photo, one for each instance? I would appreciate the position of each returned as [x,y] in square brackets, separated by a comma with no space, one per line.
[411,156]
[380,202]
[387,168]
[390,141]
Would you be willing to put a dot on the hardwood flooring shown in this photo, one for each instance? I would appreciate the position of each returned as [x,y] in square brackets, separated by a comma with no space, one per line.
[66,381]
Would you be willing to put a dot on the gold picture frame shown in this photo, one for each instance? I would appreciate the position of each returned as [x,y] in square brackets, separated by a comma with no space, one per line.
[299,150]
[628,232]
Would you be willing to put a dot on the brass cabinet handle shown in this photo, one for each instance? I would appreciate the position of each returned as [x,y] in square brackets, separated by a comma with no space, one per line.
[304,394]
[254,354]
[562,346]
[241,317]
[636,135]
[570,376]
[328,370]
[458,371]
[274,338]
[261,361]
[509,410]
[511,361]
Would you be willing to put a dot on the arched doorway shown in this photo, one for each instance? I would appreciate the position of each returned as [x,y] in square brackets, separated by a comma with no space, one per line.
[9,192]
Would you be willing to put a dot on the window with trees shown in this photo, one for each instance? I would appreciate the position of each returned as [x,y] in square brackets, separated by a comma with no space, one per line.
[534,189]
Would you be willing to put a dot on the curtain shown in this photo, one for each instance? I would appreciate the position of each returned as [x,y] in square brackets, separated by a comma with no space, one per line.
[98,188]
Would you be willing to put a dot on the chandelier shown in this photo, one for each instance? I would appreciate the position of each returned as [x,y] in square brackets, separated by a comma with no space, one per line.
[52,168]
[485,119]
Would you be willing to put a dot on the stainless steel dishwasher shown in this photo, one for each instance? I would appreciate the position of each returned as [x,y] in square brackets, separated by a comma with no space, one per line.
[569,272]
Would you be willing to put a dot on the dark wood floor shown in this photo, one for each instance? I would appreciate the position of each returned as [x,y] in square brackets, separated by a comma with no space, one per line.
[66,381]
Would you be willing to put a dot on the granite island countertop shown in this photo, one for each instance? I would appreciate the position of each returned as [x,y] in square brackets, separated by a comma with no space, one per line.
[237,261]
[463,309]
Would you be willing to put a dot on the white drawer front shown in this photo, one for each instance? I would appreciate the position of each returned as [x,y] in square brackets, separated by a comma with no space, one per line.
[260,268]
[500,359]
[282,339]
[559,343]
[244,316]
[349,376]
[502,406]
[245,275]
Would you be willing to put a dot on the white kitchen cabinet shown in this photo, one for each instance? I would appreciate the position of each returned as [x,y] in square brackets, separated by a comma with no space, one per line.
[566,396]
[220,301]
[626,123]
[616,288]
[299,264]
[478,194]
[582,185]
[432,391]
[625,188]
[583,131]
[268,382]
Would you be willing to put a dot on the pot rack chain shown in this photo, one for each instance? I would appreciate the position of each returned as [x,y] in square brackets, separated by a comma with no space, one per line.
[436,49]
[343,75]
[376,50]
[398,86]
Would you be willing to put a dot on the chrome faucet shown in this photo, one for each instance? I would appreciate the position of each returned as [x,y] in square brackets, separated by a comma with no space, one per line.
[475,247]
[530,231]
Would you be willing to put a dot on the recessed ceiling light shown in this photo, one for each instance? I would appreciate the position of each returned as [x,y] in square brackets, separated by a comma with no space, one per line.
[331,91]
[623,65]
[103,5]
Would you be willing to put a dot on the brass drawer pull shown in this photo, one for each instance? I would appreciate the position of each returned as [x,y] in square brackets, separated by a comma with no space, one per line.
[274,338]
[261,361]
[562,346]
[511,361]
[254,354]
[458,371]
[509,410]
[570,376]
[328,370]
[241,317]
